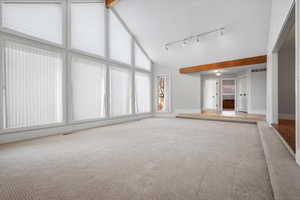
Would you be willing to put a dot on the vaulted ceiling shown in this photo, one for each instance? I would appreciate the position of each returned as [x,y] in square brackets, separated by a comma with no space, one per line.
[156,22]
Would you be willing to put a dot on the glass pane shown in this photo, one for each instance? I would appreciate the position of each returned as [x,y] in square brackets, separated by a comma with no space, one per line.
[33,86]
[120,91]
[120,41]
[162,91]
[88,89]
[88,27]
[22,17]
[142,92]
[141,59]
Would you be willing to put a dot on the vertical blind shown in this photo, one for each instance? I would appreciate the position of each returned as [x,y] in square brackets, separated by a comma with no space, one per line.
[142,92]
[88,89]
[87,27]
[33,86]
[23,18]
[120,91]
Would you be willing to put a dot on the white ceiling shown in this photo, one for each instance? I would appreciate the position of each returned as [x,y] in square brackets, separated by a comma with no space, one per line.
[156,22]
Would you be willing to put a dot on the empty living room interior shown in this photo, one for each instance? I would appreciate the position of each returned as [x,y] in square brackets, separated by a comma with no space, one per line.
[137,99]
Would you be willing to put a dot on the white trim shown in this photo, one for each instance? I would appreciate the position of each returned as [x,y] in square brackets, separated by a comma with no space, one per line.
[297,5]
[2,77]
[181,111]
[258,112]
[58,130]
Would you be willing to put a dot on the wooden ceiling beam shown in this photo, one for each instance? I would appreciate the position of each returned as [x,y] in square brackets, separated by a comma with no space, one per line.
[110,3]
[225,64]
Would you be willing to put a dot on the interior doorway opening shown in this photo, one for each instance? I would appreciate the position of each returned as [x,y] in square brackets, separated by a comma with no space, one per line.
[286,125]
[228,95]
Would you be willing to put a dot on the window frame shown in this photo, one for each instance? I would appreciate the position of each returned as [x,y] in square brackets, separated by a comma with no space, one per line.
[169,87]
[150,75]
[69,23]
[34,38]
[131,89]
[70,88]
[67,52]
[7,38]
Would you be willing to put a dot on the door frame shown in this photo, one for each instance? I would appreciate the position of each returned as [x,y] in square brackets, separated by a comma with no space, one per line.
[217,95]
[244,76]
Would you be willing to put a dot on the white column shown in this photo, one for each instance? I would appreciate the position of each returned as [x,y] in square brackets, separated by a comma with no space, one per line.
[297,82]
[272,88]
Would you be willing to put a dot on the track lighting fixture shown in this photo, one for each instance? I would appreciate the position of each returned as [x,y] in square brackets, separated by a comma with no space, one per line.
[191,39]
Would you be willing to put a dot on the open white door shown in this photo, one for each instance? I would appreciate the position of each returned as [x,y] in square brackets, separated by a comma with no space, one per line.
[242,95]
[210,94]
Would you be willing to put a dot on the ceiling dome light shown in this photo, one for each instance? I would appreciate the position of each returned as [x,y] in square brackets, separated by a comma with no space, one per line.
[218,74]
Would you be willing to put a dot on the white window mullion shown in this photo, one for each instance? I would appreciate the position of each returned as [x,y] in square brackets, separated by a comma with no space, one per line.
[2,78]
[107,46]
[133,75]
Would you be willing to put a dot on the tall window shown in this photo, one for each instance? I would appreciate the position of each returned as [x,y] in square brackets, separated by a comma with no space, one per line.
[87,27]
[33,86]
[120,91]
[41,20]
[56,67]
[88,89]
[141,60]
[120,40]
[162,93]
[142,92]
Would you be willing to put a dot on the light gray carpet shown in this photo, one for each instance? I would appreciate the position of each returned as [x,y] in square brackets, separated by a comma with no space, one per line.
[152,159]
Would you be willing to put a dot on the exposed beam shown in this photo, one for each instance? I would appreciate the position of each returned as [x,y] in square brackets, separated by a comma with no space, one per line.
[225,64]
[111,3]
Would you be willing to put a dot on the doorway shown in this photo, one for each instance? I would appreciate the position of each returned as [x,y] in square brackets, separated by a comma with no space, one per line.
[228,94]
[287,87]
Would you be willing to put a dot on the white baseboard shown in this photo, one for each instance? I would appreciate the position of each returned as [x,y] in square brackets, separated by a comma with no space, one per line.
[26,135]
[177,111]
[257,112]
[165,115]
[298,157]
[286,116]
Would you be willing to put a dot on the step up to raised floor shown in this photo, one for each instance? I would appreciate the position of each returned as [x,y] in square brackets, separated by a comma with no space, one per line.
[283,169]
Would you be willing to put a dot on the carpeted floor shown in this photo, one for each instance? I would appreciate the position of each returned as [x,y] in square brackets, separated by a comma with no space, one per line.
[152,159]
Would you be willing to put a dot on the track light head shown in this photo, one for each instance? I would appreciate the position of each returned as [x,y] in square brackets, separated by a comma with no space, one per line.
[184,43]
[166,47]
[222,31]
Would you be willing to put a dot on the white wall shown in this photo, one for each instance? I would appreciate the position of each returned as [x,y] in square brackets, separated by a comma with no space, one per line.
[258,92]
[185,90]
[279,13]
